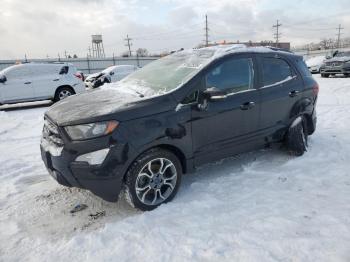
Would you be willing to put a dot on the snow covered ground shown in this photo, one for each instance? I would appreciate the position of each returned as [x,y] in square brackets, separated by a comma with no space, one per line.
[260,206]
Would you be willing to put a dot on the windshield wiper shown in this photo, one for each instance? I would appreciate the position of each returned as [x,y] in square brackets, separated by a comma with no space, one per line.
[140,94]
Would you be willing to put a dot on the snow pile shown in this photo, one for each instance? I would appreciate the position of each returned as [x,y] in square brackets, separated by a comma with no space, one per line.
[260,206]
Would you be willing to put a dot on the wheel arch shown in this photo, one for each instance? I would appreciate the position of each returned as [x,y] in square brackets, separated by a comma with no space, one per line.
[171,148]
[63,86]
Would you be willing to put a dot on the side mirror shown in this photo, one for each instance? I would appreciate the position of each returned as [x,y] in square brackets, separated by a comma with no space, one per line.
[210,94]
[214,94]
[111,73]
[3,79]
[328,57]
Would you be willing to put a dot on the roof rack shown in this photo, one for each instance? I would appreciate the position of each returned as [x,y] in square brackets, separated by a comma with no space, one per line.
[279,49]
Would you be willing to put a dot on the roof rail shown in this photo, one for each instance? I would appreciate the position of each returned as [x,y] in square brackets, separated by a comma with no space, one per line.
[279,49]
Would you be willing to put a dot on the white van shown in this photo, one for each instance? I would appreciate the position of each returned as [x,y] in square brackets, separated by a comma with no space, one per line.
[38,81]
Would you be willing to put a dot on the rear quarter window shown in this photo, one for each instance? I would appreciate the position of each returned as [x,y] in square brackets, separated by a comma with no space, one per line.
[302,67]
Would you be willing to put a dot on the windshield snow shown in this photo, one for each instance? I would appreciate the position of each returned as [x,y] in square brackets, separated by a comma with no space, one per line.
[170,72]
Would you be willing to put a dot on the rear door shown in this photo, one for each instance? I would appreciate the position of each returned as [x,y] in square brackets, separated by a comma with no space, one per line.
[46,79]
[19,85]
[227,126]
[280,89]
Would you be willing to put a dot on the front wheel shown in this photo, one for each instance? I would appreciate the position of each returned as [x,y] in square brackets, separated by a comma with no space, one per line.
[153,179]
[325,75]
[297,137]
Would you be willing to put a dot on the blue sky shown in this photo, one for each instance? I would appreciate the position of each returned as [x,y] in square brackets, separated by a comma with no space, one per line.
[47,27]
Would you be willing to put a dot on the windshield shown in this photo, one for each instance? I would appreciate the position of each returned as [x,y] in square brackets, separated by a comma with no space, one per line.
[342,54]
[168,73]
[109,69]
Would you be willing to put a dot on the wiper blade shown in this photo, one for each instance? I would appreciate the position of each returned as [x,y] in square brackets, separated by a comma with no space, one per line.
[140,94]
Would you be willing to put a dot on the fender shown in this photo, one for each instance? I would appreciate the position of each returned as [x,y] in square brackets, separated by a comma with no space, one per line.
[301,107]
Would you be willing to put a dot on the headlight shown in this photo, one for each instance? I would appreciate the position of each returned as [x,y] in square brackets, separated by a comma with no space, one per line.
[86,131]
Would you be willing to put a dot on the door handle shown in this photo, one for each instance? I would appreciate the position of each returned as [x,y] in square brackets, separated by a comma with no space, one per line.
[247,105]
[27,83]
[56,79]
[293,93]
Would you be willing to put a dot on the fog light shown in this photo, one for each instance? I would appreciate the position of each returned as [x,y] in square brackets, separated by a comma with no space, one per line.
[93,158]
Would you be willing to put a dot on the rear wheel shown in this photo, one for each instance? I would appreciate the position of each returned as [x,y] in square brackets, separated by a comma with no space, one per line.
[297,137]
[63,92]
[153,179]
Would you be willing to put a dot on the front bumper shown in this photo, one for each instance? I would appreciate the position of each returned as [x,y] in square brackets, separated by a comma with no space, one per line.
[335,70]
[104,180]
[314,69]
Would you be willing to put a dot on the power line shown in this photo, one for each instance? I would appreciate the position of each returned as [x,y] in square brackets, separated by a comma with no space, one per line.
[129,44]
[277,34]
[338,34]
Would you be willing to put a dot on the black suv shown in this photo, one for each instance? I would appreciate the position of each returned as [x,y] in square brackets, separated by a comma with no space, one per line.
[179,112]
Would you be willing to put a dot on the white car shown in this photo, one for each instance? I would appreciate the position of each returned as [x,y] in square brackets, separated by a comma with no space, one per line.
[109,75]
[38,81]
[315,63]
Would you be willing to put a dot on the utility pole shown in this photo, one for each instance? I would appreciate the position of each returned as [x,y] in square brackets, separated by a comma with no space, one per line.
[89,49]
[206,31]
[338,34]
[65,54]
[277,35]
[129,44]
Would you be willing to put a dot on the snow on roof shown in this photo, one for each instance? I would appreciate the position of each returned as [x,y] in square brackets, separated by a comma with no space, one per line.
[221,50]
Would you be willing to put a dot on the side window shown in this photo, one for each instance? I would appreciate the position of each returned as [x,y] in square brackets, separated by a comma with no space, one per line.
[64,70]
[232,76]
[303,68]
[275,70]
[21,72]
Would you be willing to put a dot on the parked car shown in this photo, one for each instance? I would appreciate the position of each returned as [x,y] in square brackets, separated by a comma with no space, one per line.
[37,81]
[339,64]
[109,75]
[315,64]
[175,114]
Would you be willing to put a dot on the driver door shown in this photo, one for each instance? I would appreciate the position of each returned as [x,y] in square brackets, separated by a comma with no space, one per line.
[228,125]
[18,86]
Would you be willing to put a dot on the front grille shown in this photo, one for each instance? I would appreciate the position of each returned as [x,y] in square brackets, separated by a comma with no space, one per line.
[52,134]
[336,63]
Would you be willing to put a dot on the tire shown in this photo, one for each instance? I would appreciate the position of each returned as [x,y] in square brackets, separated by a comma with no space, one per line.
[297,137]
[325,75]
[63,92]
[149,183]
[346,75]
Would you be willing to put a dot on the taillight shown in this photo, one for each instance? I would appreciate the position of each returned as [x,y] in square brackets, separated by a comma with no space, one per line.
[315,89]
[77,75]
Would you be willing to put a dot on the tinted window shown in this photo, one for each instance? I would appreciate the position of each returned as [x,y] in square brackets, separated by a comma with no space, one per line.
[64,70]
[232,76]
[303,68]
[275,70]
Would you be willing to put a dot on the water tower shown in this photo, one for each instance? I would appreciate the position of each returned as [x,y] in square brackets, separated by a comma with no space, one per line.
[97,46]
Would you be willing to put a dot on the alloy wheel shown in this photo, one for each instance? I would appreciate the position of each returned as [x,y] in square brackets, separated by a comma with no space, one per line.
[156,181]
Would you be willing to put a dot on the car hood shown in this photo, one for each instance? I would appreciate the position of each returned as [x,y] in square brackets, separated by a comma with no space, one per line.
[339,59]
[106,104]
